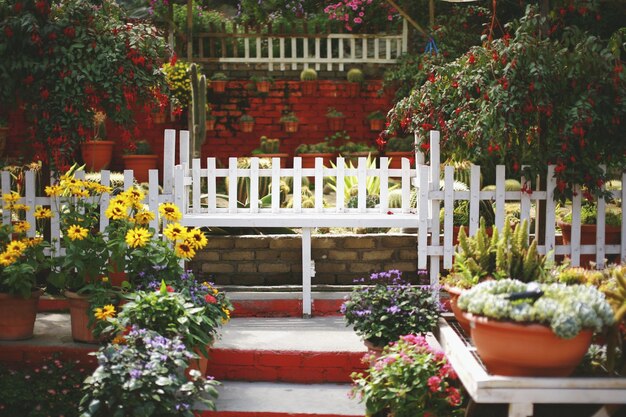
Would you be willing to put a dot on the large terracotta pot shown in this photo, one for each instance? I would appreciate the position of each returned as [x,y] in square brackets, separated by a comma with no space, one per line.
[516,349]
[140,164]
[308,159]
[374,351]
[97,154]
[588,232]
[79,306]
[396,159]
[200,364]
[17,316]
[455,293]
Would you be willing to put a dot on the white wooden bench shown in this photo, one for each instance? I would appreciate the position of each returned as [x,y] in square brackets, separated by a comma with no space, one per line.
[200,209]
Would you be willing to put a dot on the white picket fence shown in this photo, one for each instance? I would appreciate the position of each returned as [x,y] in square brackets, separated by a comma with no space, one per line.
[192,185]
[292,50]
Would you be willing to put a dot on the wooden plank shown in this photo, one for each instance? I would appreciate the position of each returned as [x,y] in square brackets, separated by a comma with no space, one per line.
[169,155]
[340,202]
[153,197]
[294,54]
[575,231]
[275,185]
[297,185]
[383,175]
[281,48]
[423,207]
[253,180]
[195,185]
[474,202]
[233,175]
[211,185]
[270,53]
[340,51]
[362,183]
[448,220]
[550,212]
[329,54]
[500,199]
[319,185]
[318,54]
[105,179]
[601,228]
[525,199]
[406,186]
[307,272]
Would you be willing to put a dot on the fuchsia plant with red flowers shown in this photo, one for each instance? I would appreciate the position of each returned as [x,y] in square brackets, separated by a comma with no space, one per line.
[354,13]
[410,379]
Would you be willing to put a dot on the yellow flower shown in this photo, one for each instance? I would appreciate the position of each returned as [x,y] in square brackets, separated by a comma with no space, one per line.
[197,238]
[185,250]
[105,279]
[119,340]
[144,217]
[21,226]
[11,198]
[119,200]
[79,192]
[33,241]
[116,212]
[108,311]
[22,207]
[7,258]
[135,195]
[227,313]
[98,188]
[42,213]
[137,237]
[174,231]
[53,190]
[76,232]
[16,247]
[170,212]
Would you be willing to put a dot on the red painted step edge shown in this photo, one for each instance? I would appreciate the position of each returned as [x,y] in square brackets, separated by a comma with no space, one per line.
[243,308]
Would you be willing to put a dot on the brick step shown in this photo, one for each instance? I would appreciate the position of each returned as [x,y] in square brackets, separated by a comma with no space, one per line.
[249,303]
[275,399]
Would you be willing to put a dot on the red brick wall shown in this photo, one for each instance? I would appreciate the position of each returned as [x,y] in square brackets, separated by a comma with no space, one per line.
[267,108]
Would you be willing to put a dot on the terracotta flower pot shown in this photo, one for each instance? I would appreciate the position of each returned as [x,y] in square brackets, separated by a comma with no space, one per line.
[377,125]
[588,232]
[291,127]
[374,351]
[246,127]
[17,316]
[396,159]
[517,349]
[263,86]
[218,86]
[455,293]
[79,305]
[97,154]
[140,164]
[159,117]
[200,364]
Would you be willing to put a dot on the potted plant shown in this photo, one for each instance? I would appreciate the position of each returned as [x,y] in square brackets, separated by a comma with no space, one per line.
[397,148]
[269,148]
[144,374]
[423,375]
[21,259]
[588,229]
[336,119]
[262,83]
[385,307]
[309,152]
[353,150]
[460,214]
[376,120]
[290,122]
[246,123]
[4,132]
[308,76]
[97,151]
[532,329]
[496,256]
[140,159]
[355,78]
[218,82]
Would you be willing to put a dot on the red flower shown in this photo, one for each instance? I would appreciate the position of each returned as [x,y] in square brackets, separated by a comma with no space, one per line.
[17,7]
[434,383]
[471,59]
[44,94]
[454,397]
[380,142]
[210,299]
[42,7]
[29,79]
[70,32]
[170,288]
[8,31]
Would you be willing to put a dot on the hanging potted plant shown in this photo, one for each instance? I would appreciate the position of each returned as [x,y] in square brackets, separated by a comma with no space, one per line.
[97,151]
[246,123]
[355,79]
[308,76]
[262,83]
[336,119]
[269,148]
[140,159]
[532,329]
[376,120]
[218,82]
[397,148]
[290,122]
[21,260]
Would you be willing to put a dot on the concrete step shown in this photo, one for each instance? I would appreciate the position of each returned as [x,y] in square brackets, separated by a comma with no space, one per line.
[321,349]
[266,399]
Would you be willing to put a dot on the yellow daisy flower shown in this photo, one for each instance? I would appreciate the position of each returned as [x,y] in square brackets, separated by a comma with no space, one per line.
[116,212]
[33,241]
[100,189]
[22,207]
[184,250]
[108,311]
[53,190]
[144,217]
[170,212]
[7,258]
[174,231]
[42,213]
[12,197]
[197,238]
[76,232]
[135,194]
[79,192]
[16,248]
[138,237]
[21,226]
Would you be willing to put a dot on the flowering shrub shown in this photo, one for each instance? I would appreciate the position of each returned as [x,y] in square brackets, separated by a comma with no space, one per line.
[21,257]
[386,307]
[145,376]
[565,309]
[409,379]
[49,389]
[177,77]
[67,60]
[529,99]
[355,13]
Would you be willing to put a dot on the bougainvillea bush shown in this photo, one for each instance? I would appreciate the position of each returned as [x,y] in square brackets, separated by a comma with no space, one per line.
[65,61]
[544,93]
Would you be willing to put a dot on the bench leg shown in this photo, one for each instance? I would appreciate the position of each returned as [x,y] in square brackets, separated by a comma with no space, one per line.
[307,272]
[520,409]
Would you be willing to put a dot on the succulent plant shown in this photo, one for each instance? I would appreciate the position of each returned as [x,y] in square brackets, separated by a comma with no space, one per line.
[198,110]
[308,74]
[355,75]
[566,309]
[267,146]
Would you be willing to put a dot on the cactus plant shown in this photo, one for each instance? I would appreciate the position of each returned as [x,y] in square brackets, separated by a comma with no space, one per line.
[267,146]
[308,74]
[198,111]
[355,75]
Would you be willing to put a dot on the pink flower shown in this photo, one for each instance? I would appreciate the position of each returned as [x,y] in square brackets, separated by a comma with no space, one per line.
[210,299]
[434,383]
[454,397]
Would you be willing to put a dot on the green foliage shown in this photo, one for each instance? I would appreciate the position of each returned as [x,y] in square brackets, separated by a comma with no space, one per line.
[49,389]
[145,376]
[219,76]
[289,117]
[409,379]
[267,146]
[142,147]
[385,307]
[351,182]
[334,113]
[400,144]
[566,309]
[589,215]
[376,115]
[198,109]
[308,74]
